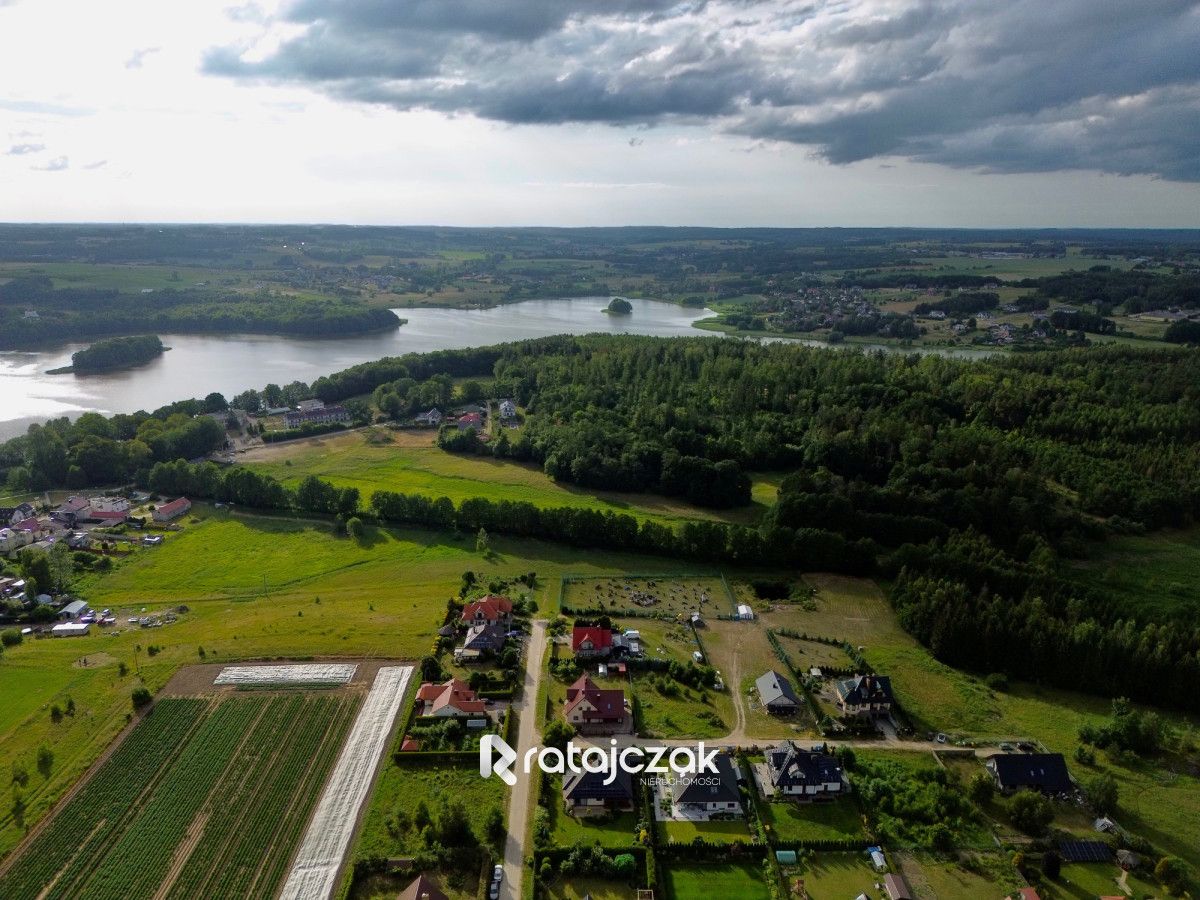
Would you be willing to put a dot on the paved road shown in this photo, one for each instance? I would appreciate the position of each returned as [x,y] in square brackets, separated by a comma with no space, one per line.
[527,736]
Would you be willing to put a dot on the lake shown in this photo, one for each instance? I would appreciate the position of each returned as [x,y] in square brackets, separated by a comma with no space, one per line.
[199,364]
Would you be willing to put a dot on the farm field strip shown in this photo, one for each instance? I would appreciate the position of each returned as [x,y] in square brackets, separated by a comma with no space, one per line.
[255,817]
[79,832]
[314,871]
[135,864]
[307,673]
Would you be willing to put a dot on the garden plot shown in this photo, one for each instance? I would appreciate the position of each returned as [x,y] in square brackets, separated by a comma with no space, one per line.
[666,596]
[315,869]
[306,673]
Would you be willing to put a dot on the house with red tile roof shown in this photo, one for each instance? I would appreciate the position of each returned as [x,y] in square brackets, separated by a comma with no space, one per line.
[596,710]
[450,700]
[489,610]
[173,510]
[591,642]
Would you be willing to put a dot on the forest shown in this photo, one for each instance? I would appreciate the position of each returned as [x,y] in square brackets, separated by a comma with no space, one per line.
[116,353]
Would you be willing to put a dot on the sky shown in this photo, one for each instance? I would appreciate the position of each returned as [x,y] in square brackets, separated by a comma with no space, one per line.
[602,112]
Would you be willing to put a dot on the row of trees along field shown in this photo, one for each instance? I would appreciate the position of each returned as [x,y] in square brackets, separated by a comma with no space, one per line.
[969,478]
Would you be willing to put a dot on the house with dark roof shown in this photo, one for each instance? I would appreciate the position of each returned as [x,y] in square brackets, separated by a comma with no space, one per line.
[865,695]
[482,640]
[423,888]
[706,792]
[450,700]
[805,774]
[491,609]
[587,793]
[776,694]
[594,710]
[1043,772]
[591,642]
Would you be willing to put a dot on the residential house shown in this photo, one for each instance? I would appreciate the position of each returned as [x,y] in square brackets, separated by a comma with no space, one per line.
[587,792]
[11,515]
[452,700]
[482,640]
[492,609]
[14,539]
[776,694]
[326,415]
[432,418]
[805,774]
[423,888]
[470,420]
[595,710]
[173,510]
[310,405]
[709,793]
[896,887]
[70,509]
[591,642]
[508,409]
[1043,772]
[471,409]
[865,695]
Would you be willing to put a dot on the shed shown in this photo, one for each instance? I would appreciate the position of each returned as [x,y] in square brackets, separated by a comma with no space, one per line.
[878,860]
[744,611]
[73,609]
[786,857]
[70,629]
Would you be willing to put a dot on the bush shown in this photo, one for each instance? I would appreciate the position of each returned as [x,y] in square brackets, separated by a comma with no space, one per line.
[140,697]
[11,637]
[1030,812]
[997,681]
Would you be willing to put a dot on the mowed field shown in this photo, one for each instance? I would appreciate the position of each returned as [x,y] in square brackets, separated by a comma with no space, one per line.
[409,463]
[204,797]
[254,587]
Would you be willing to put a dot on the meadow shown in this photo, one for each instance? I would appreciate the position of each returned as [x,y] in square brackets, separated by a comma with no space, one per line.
[791,821]
[1153,576]
[203,796]
[409,463]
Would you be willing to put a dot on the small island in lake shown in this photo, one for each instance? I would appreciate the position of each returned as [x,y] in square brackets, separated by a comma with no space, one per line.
[114,353]
[619,306]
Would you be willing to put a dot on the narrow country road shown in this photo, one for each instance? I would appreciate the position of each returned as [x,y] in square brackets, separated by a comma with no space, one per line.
[527,736]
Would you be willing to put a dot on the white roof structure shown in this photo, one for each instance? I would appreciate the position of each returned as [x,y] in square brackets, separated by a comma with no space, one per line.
[70,629]
[745,612]
[309,673]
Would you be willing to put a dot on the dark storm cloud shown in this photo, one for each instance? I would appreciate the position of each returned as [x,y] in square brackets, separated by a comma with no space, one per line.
[1020,86]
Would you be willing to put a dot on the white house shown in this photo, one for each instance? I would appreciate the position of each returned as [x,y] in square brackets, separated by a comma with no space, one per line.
[432,418]
[508,409]
[310,405]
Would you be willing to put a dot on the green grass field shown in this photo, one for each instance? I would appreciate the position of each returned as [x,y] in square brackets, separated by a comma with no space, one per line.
[697,881]
[203,797]
[788,820]
[720,832]
[1151,575]
[410,464]
[400,789]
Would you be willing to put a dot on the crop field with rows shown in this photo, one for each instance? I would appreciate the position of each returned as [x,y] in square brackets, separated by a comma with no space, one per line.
[202,798]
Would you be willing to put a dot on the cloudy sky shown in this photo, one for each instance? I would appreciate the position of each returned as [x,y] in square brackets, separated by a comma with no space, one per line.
[599,112]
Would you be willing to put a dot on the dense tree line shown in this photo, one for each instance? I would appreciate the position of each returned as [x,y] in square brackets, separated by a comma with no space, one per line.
[1106,288]
[962,304]
[1081,320]
[73,313]
[117,353]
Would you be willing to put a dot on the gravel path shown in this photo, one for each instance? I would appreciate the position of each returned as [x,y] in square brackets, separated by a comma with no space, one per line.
[315,869]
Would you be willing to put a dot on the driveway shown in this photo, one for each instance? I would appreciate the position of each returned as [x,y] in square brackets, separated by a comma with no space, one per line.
[527,736]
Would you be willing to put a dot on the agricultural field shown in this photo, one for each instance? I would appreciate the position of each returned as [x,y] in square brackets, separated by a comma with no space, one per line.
[255,586]
[411,464]
[701,881]
[204,795]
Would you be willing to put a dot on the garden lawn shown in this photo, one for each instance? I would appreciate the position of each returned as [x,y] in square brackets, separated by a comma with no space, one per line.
[579,888]
[613,830]
[697,881]
[836,876]
[973,876]
[1085,881]
[788,820]
[724,831]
